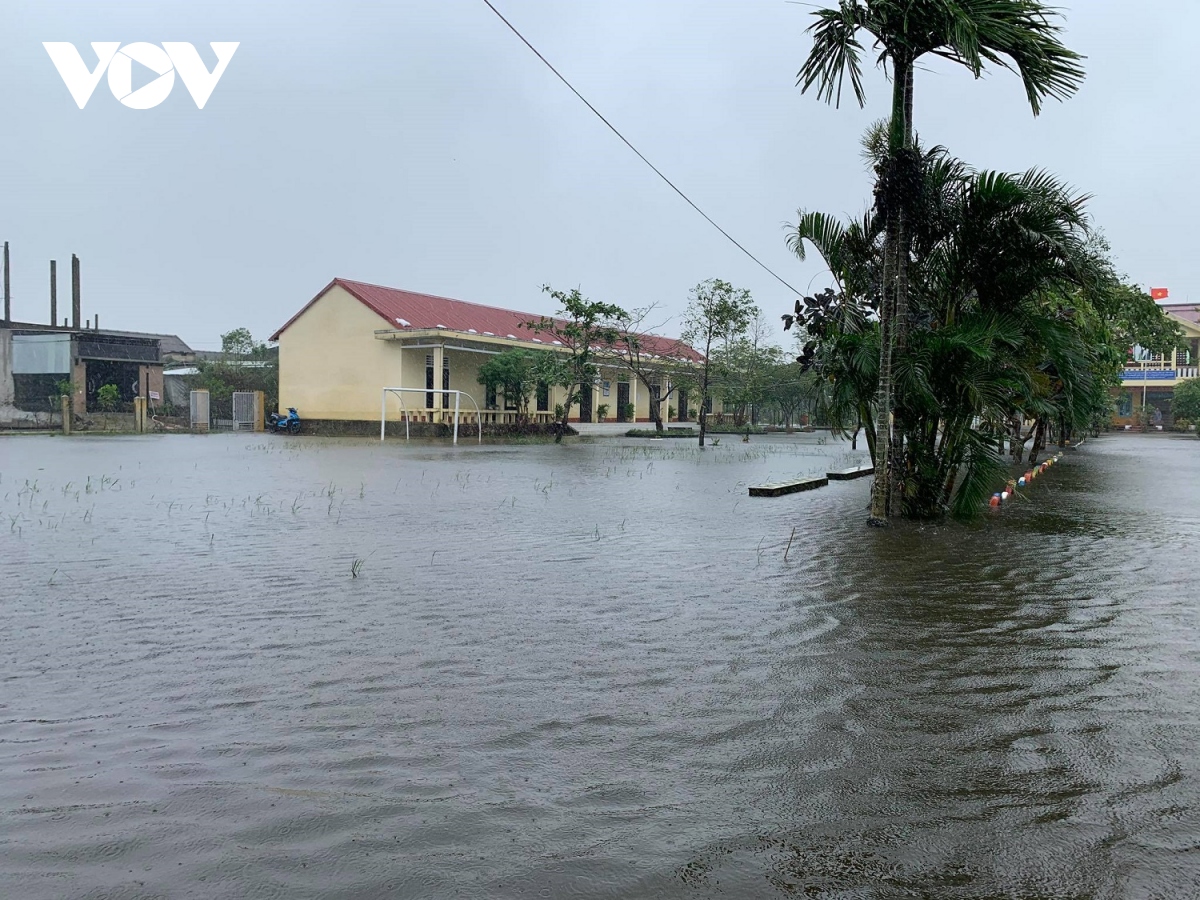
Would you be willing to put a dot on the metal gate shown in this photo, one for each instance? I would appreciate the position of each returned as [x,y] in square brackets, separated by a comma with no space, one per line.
[243,410]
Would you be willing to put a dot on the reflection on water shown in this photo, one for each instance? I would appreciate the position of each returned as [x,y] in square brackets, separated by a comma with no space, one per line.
[587,671]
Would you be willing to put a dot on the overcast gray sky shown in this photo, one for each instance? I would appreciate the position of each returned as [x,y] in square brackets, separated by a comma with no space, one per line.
[421,145]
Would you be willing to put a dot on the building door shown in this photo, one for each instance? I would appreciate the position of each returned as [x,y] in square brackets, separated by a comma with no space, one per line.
[683,410]
[622,400]
[585,403]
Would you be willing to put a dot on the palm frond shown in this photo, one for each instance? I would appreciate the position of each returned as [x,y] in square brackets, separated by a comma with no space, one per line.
[836,53]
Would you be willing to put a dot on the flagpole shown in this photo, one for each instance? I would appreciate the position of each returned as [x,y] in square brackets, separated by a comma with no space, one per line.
[1156,294]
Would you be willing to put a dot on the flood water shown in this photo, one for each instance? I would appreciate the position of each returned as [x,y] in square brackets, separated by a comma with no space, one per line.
[588,671]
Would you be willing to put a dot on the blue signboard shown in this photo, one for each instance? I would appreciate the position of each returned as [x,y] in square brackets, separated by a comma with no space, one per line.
[1149,375]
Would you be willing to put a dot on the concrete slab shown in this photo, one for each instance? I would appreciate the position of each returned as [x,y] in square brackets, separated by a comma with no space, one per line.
[617,429]
[788,487]
[849,474]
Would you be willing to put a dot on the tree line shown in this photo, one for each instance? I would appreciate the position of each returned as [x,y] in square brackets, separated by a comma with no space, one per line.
[724,353]
[973,313]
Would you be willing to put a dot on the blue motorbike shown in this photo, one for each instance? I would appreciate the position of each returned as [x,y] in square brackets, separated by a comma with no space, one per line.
[281,423]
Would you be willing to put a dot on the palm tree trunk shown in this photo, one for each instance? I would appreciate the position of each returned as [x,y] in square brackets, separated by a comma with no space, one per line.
[893,304]
[1039,441]
[901,104]
[880,489]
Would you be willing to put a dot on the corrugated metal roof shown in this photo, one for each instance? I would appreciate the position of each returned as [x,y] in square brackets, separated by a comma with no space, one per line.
[407,309]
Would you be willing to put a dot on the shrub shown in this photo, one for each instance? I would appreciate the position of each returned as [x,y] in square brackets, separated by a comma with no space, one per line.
[108,397]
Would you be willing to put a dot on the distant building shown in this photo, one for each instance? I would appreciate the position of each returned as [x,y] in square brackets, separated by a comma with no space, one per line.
[353,339]
[1151,378]
[37,362]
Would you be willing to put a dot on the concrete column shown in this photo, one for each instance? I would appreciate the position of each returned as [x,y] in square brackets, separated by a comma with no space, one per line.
[139,415]
[201,426]
[154,384]
[79,388]
[439,354]
[7,389]
[67,415]
[260,414]
[633,383]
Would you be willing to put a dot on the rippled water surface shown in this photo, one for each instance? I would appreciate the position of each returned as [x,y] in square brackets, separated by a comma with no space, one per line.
[588,671]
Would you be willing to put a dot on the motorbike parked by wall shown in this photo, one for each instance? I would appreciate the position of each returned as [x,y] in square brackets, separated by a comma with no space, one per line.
[281,423]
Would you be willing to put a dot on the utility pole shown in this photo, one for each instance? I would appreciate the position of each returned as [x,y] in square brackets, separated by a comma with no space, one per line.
[7,288]
[53,292]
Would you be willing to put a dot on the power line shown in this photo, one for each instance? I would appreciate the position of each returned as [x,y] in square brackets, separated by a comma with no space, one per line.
[625,140]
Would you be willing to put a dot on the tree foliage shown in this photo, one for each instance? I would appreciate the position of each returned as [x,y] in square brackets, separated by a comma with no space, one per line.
[585,329]
[1019,35]
[515,373]
[244,365]
[717,314]
[1186,403]
[1015,314]
[663,371]
[108,397]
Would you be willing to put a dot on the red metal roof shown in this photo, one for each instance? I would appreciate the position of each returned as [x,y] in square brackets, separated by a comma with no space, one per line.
[408,310]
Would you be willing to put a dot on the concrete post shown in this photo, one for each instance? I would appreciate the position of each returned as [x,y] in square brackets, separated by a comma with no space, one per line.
[139,415]
[199,412]
[79,383]
[439,354]
[260,414]
[65,402]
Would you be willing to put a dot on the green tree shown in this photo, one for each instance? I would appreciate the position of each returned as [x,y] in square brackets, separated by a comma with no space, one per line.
[1186,403]
[244,365]
[745,364]
[515,373]
[787,388]
[1002,272]
[583,328]
[240,342]
[1015,34]
[660,365]
[717,314]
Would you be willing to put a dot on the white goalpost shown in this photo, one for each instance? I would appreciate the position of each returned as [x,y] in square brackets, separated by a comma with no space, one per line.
[400,392]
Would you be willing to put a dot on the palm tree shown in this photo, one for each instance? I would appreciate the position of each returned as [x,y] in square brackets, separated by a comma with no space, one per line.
[1000,260]
[1018,35]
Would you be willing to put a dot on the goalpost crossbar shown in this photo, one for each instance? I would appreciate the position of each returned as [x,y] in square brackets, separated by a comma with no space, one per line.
[400,392]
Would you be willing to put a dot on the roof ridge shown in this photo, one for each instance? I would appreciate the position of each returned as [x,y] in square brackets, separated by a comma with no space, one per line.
[384,287]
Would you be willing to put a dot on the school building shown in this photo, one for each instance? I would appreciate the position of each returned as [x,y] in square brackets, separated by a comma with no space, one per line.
[1149,379]
[352,340]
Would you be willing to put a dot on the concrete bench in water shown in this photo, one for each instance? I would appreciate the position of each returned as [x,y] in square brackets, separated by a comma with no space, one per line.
[788,487]
[848,474]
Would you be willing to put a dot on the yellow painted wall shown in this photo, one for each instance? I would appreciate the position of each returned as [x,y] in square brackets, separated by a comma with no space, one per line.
[330,364]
